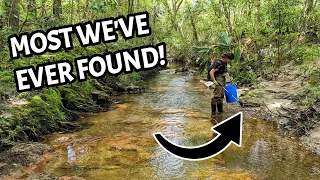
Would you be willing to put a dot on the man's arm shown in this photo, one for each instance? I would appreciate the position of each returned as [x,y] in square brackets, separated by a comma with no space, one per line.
[212,77]
[212,74]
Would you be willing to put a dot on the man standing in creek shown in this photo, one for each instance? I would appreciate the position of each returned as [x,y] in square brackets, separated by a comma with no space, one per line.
[217,74]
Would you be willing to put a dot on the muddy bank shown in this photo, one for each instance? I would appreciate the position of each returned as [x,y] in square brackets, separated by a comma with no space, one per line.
[285,100]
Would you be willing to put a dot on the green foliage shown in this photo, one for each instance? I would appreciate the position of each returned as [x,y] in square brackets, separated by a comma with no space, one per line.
[102,6]
[313,94]
[306,52]
[314,78]
[132,78]
[223,42]
[76,94]
[237,57]
[242,71]
[25,95]
[312,90]
[205,54]
[6,76]
[30,121]
[7,85]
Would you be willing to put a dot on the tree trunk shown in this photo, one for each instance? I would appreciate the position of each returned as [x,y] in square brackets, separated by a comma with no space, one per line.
[309,10]
[14,15]
[173,12]
[1,26]
[258,17]
[57,8]
[117,9]
[279,36]
[71,18]
[31,13]
[306,21]
[43,12]
[154,25]
[130,6]
[194,29]
[78,9]
[85,11]
[227,16]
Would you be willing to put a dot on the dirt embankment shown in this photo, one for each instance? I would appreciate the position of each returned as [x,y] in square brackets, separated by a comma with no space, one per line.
[287,102]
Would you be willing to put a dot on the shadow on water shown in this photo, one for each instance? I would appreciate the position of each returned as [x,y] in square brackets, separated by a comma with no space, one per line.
[120,145]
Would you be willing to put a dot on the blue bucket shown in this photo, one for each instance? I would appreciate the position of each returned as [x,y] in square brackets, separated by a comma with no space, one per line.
[231,93]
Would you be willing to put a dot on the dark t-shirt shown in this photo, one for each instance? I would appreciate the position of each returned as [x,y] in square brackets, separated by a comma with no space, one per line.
[220,68]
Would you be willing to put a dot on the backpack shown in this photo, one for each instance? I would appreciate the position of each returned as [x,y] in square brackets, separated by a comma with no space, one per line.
[217,63]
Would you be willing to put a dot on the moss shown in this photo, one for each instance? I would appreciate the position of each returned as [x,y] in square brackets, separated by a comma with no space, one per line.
[97,85]
[128,79]
[112,82]
[7,85]
[42,115]
[24,95]
[252,99]
[254,93]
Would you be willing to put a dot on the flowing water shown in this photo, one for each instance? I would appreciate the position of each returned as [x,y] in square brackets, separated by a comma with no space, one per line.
[119,144]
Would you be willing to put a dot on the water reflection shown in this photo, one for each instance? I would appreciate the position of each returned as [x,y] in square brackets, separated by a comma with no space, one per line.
[259,158]
[217,118]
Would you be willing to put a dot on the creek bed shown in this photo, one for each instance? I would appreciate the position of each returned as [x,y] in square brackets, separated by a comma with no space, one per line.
[119,143]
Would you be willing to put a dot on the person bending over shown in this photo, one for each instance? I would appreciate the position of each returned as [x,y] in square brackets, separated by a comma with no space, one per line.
[216,74]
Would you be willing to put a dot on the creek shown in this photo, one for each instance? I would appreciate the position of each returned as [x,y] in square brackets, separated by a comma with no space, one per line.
[118,144]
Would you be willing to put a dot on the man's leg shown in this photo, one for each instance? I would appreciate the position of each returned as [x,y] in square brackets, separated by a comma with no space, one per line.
[220,106]
[215,99]
[220,96]
[213,105]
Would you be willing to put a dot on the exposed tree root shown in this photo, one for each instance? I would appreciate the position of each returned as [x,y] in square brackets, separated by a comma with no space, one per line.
[300,122]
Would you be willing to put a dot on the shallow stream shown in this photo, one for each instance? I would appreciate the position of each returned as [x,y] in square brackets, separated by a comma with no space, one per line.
[119,143]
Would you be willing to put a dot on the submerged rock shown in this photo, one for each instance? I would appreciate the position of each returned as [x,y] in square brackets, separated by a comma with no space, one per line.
[132,89]
[182,69]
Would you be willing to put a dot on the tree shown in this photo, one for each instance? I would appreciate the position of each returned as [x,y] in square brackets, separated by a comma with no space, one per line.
[130,6]
[193,11]
[226,11]
[85,10]
[57,8]
[14,15]
[173,11]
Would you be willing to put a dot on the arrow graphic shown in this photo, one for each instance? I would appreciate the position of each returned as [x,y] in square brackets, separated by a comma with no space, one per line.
[229,131]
